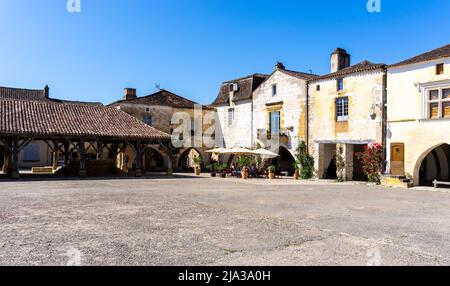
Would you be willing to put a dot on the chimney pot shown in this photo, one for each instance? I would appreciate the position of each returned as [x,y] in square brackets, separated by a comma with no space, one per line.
[46,91]
[340,59]
[129,94]
[280,66]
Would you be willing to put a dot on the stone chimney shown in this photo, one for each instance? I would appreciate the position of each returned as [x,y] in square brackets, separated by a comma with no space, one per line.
[46,91]
[129,94]
[340,59]
[280,66]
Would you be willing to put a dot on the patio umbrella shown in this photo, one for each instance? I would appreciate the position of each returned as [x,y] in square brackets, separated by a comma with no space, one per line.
[216,150]
[265,153]
[238,151]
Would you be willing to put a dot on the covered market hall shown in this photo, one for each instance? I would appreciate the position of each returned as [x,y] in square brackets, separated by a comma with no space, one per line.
[83,140]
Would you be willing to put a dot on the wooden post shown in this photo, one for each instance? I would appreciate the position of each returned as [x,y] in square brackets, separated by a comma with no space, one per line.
[82,148]
[169,160]
[55,156]
[138,160]
[99,151]
[66,153]
[7,158]
[15,159]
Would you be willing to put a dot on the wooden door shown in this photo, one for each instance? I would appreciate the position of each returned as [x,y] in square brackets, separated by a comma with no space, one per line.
[398,159]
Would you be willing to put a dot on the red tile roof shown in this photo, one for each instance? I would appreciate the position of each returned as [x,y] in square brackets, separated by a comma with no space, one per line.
[360,67]
[44,119]
[442,52]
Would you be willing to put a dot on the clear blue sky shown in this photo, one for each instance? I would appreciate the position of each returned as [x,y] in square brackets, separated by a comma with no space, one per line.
[191,46]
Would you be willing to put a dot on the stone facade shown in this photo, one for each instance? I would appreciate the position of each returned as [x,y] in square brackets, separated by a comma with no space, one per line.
[160,117]
[410,123]
[363,125]
[290,101]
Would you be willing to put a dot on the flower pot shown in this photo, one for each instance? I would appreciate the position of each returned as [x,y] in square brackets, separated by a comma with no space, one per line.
[213,174]
[245,175]
[296,176]
[223,175]
[271,176]
[197,171]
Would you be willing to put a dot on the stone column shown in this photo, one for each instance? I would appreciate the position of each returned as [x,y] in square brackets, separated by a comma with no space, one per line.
[7,158]
[169,160]
[138,160]
[82,148]
[348,157]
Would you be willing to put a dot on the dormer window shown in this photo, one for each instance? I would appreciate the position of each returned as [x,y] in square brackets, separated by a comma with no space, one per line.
[234,87]
[439,69]
[274,90]
[340,84]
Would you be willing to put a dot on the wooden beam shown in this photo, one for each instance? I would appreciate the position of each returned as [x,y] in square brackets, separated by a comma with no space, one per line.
[82,158]
[15,159]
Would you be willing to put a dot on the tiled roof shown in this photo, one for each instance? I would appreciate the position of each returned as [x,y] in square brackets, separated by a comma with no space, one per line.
[36,95]
[247,85]
[21,94]
[161,98]
[35,118]
[300,75]
[360,67]
[443,52]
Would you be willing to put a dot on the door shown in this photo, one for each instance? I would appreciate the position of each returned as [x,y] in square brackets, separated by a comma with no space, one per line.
[398,159]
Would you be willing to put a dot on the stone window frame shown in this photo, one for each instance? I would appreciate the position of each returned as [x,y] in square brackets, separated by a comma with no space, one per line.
[231,115]
[340,84]
[342,109]
[426,90]
[274,90]
[440,69]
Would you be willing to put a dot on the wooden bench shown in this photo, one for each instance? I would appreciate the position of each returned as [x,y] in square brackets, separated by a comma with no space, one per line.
[437,183]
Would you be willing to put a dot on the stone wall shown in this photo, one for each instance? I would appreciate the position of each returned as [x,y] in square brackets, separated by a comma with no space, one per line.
[290,101]
[406,117]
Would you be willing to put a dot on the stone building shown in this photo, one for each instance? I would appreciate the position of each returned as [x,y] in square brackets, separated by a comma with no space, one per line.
[346,112]
[234,106]
[157,110]
[280,113]
[419,117]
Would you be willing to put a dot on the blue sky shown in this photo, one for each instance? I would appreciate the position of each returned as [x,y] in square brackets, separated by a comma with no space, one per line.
[191,46]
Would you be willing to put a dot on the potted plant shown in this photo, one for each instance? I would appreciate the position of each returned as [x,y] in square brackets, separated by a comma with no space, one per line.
[197,165]
[245,162]
[213,169]
[271,170]
[297,167]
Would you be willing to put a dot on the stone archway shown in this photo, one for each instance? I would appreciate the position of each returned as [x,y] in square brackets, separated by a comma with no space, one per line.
[153,161]
[185,161]
[285,161]
[433,164]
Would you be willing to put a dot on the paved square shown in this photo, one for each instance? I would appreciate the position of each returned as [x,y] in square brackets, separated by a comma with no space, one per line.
[206,221]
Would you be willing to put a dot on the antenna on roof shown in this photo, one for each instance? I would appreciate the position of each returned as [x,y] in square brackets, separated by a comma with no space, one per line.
[158,86]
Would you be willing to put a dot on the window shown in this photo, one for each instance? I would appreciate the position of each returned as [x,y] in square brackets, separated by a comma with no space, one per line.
[438,103]
[274,90]
[439,69]
[31,153]
[275,124]
[230,116]
[340,84]
[318,87]
[342,109]
[148,119]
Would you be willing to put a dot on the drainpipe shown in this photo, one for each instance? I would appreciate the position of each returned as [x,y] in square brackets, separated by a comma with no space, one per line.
[307,116]
[384,116]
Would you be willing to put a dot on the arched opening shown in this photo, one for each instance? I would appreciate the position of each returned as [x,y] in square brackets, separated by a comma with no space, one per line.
[284,162]
[153,161]
[435,166]
[2,156]
[186,161]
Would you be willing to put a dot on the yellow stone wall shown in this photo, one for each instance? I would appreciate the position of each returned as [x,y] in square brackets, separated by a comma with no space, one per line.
[406,122]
